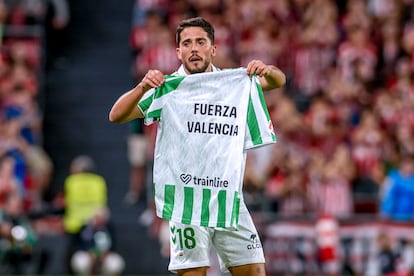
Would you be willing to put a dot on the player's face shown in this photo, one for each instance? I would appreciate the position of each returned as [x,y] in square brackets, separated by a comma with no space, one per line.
[195,50]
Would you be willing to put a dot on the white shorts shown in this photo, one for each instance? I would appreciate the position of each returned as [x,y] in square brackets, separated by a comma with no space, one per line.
[137,146]
[190,245]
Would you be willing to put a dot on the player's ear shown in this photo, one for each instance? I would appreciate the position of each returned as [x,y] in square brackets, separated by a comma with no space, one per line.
[178,51]
[213,50]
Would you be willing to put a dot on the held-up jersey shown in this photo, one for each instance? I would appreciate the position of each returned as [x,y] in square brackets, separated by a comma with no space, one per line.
[206,122]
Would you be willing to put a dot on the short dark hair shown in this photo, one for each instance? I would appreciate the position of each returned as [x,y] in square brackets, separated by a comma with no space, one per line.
[195,22]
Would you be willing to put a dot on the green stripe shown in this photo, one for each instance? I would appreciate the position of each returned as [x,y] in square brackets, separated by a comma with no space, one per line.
[253,125]
[262,101]
[236,209]
[145,104]
[154,114]
[221,216]
[205,207]
[264,107]
[169,193]
[169,86]
[188,205]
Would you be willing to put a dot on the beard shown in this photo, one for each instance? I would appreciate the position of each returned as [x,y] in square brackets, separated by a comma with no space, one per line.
[195,70]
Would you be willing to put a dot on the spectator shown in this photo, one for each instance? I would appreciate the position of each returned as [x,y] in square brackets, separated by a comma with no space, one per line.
[320,119]
[405,265]
[368,144]
[386,257]
[357,56]
[61,13]
[85,193]
[390,48]
[24,12]
[284,111]
[407,39]
[398,192]
[403,85]
[57,19]
[95,251]
[16,236]
[405,137]
[356,15]
[330,193]
[8,181]
[293,201]
[327,240]
[276,174]
[14,145]
[387,108]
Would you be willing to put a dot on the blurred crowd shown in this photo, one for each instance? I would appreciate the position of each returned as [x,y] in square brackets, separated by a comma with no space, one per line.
[31,33]
[25,167]
[345,119]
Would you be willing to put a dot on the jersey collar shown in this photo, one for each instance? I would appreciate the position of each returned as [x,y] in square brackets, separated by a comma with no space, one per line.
[181,71]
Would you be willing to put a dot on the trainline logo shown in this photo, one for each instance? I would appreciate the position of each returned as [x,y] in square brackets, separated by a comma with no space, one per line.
[214,182]
[186,178]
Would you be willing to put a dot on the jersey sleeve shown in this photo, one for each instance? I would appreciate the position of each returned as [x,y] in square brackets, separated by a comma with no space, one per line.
[153,101]
[259,131]
[153,111]
[145,103]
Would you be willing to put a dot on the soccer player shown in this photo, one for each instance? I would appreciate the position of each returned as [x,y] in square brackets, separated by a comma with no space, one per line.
[240,250]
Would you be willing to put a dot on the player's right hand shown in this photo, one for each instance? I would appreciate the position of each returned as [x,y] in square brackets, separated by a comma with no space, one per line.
[152,79]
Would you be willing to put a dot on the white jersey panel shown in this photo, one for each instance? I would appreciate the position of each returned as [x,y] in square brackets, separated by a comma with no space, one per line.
[204,128]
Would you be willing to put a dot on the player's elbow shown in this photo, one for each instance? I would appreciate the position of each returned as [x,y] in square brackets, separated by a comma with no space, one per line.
[117,115]
[275,83]
[283,79]
[280,80]
[276,79]
[114,117]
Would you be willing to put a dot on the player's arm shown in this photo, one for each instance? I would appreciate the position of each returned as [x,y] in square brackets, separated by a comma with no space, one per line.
[125,108]
[271,77]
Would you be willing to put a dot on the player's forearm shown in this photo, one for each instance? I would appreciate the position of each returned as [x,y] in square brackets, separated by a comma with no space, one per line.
[275,78]
[125,108]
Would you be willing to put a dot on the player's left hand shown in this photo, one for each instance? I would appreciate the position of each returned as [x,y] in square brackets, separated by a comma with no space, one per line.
[259,68]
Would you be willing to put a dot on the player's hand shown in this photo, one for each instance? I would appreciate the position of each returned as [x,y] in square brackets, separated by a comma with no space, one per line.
[259,68]
[152,79]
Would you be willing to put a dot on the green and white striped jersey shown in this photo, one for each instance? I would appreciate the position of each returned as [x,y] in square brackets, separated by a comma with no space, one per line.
[206,123]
